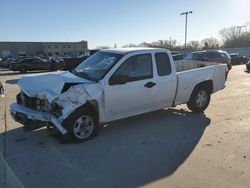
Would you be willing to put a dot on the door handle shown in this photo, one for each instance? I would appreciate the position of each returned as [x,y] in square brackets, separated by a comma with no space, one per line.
[150,84]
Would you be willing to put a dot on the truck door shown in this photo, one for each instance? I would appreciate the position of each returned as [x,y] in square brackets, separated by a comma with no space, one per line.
[166,80]
[136,94]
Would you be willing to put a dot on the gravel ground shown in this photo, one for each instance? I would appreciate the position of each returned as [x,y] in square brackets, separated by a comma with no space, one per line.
[167,148]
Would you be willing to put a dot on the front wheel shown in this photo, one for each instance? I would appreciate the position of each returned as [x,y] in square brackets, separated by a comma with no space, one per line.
[81,125]
[199,99]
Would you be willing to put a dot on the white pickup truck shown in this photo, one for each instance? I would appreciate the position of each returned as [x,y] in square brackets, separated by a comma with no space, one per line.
[111,85]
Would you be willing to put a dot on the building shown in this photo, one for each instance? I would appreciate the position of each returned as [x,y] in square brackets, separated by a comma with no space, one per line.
[43,48]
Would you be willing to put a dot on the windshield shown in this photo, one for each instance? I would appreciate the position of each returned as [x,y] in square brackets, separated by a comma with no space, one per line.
[97,65]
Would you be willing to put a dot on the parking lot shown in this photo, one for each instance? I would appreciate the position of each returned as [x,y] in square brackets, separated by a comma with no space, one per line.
[167,148]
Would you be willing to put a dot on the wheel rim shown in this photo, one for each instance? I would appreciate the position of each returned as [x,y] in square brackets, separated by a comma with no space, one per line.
[201,98]
[83,127]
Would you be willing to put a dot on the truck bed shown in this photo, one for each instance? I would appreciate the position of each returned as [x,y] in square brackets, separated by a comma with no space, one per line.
[191,74]
[183,65]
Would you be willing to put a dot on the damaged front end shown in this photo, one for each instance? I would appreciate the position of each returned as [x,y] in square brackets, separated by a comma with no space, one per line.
[34,113]
[35,108]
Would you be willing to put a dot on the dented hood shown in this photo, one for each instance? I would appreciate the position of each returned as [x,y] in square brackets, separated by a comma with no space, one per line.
[48,85]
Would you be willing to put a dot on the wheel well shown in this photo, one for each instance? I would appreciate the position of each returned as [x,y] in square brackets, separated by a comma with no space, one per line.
[93,107]
[208,84]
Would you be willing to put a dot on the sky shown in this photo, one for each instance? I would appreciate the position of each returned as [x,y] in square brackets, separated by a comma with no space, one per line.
[109,22]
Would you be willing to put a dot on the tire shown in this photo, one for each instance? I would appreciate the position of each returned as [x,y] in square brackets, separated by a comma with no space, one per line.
[22,69]
[199,99]
[81,124]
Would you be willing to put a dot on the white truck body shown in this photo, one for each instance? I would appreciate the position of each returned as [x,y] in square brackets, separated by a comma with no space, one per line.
[113,102]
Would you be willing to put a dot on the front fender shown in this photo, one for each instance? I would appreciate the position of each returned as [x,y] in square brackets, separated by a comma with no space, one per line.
[70,100]
[76,97]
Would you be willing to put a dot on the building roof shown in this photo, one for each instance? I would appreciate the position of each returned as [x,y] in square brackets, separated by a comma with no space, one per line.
[44,42]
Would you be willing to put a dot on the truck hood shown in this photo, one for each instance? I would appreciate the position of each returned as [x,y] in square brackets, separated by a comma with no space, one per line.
[48,85]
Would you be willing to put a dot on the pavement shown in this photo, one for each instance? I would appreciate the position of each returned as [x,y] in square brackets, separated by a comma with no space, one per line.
[167,148]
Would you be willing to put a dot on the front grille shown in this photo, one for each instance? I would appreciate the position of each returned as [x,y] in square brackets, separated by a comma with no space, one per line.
[33,102]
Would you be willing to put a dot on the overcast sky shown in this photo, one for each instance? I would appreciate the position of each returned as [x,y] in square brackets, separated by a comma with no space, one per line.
[106,22]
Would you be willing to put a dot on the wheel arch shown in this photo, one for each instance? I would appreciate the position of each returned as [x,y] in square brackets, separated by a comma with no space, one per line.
[208,84]
[92,105]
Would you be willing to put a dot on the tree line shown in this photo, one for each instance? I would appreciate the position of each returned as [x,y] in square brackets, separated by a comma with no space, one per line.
[232,37]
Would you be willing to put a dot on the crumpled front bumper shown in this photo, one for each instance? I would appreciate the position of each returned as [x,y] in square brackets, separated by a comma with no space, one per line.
[21,113]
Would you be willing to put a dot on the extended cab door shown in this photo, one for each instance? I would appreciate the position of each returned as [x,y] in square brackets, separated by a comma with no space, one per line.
[134,90]
[165,79]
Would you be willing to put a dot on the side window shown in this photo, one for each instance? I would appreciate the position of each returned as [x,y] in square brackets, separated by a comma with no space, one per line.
[212,55]
[217,55]
[138,67]
[38,61]
[224,55]
[163,64]
[28,61]
[35,61]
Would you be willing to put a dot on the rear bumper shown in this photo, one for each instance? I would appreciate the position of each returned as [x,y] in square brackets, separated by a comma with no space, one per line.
[26,116]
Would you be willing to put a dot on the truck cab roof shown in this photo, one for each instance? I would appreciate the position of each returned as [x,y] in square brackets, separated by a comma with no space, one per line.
[130,50]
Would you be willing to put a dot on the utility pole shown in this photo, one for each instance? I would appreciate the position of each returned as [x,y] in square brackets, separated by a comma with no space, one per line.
[186,13]
[170,41]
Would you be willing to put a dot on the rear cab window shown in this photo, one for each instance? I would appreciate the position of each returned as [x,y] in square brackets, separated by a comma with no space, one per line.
[163,64]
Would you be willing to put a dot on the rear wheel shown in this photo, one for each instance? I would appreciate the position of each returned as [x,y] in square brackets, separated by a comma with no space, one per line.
[199,99]
[81,124]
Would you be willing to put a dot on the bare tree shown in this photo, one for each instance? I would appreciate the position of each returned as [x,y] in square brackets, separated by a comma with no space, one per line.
[144,44]
[164,44]
[129,45]
[236,36]
[102,47]
[230,33]
[193,44]
[210,43]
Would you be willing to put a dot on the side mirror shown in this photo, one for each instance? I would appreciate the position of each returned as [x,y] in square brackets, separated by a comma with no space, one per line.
[118,80]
